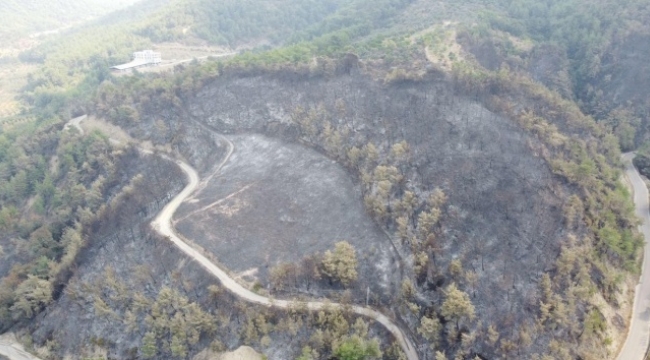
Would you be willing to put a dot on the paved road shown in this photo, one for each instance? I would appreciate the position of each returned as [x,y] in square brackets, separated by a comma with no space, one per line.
[162,223]
[638,336]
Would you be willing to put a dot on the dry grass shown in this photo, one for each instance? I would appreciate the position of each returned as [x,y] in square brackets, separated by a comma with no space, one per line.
[626,302]
[114,132]
[118,136]
[15,47]
[9,108]
[441,47]
[524,45]
[11,122]
[13,77]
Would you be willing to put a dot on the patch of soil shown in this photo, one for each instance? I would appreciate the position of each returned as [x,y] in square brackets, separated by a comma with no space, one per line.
[242,353]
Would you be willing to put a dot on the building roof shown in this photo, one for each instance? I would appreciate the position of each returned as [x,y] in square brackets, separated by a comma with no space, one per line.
[132,64]
[146,52]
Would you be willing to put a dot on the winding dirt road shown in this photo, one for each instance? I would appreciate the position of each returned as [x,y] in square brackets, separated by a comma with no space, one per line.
[14,351]
[638,337]
[162,223]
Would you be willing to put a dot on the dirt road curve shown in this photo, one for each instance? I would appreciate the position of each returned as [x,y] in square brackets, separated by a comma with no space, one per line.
[162,224]
[13,351]
[76,122]
[638,336]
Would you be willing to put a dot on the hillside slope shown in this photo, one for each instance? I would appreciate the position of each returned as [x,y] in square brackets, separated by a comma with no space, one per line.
[33,16]
[495,223]
[485,196]
[592,52]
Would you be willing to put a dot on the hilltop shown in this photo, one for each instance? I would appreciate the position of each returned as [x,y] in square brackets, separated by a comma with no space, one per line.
[455,165]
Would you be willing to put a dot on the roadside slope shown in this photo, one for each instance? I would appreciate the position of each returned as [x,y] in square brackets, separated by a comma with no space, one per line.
[638,336]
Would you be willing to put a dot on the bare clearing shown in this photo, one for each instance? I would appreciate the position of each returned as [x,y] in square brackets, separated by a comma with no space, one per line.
[242,353]
[444,51]
[91,124]
[274,202]
[116,134]
[440,45]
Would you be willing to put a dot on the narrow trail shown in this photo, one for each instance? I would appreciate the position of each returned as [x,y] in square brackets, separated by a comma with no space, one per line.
[163,224]
[638,336]
[210,206]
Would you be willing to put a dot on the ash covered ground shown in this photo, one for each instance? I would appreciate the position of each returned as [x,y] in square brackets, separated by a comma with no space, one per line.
[274,202]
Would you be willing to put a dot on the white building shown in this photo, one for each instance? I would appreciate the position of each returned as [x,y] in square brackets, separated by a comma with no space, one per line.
[140,58]
[148,56]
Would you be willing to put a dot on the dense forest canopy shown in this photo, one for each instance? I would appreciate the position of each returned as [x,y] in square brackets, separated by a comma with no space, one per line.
[20,18]
[596,37]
